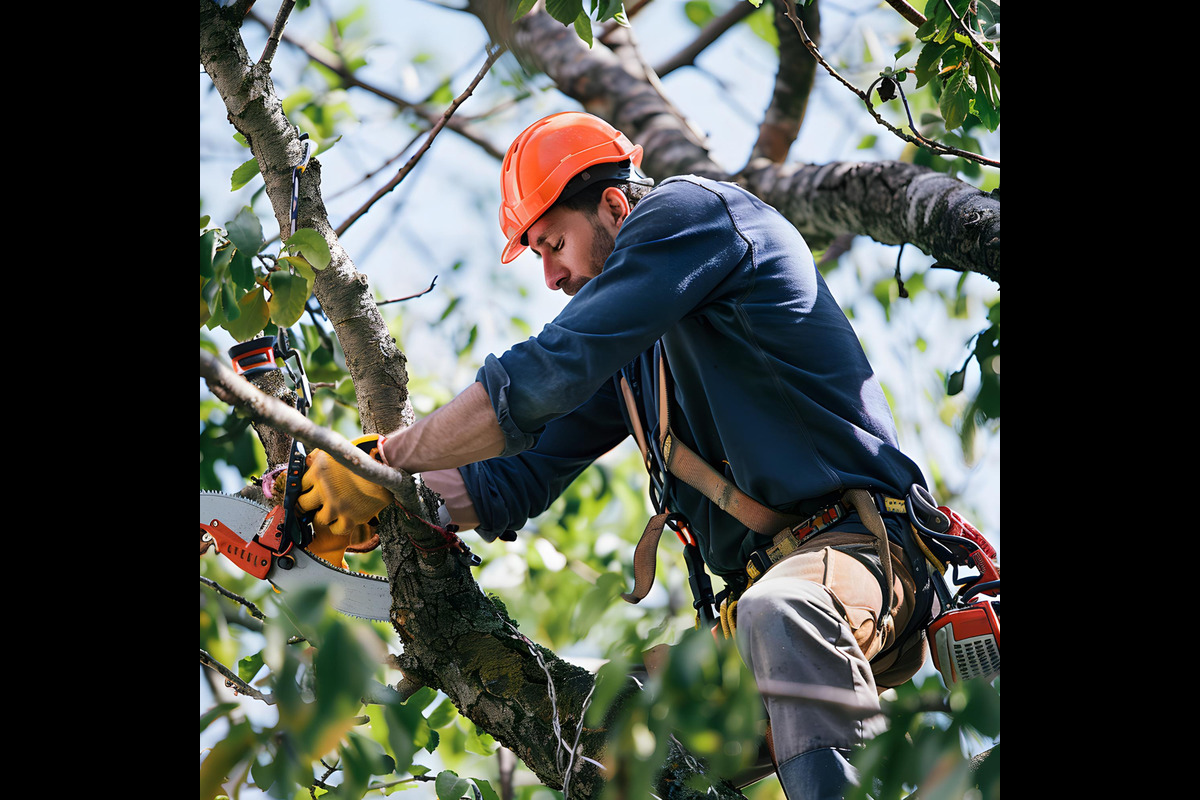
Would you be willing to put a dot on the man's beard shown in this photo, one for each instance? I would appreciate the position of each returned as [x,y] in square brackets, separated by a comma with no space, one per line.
[602,247]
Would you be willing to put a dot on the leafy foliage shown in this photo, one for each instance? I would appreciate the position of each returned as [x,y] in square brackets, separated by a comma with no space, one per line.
[238,293]
[969,82]
[922,746]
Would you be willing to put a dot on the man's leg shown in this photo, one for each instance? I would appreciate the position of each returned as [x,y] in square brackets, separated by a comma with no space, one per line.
[803,627]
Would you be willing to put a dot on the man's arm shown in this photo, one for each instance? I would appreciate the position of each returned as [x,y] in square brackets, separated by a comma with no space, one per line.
[461,432]
[450,485]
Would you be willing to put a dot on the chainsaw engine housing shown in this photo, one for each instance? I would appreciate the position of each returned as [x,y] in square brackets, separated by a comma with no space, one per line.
[965,642]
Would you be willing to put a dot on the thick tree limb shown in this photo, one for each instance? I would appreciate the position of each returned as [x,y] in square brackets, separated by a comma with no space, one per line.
[793,85]
[947,219]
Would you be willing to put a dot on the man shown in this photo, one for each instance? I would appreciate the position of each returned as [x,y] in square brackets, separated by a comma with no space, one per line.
[763,379]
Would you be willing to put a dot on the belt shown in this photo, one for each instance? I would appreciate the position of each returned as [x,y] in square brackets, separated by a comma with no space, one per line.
[789,540]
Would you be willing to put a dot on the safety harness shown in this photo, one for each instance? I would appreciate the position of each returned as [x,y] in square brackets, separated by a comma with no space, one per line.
[935,537]
[669,456]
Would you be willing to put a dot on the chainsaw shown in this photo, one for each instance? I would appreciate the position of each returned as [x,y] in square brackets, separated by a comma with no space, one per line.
[965,636]
[251,536]
[270,543]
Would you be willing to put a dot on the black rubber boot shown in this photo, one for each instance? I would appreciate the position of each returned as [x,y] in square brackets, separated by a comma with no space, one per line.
[823,774]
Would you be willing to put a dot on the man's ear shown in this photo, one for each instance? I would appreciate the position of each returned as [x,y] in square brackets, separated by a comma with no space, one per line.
[614,206]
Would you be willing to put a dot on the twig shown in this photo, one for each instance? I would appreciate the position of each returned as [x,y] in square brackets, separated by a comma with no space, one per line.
[232,680]
[333,62]
[374,172]
[907,11]
[411,296]
[441,123]
[237,598]
[285,9]
[708,34]
[916,138]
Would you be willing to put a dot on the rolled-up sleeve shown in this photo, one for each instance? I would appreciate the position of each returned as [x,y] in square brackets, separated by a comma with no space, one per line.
[509,491]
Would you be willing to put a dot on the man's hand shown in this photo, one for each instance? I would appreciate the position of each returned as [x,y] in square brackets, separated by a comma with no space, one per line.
[344,503]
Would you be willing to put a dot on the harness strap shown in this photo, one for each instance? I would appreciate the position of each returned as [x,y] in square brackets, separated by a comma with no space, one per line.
[688,467]
[864,503]
[645,559]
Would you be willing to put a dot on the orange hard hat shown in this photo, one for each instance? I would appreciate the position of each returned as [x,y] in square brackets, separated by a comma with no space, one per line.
[542,161]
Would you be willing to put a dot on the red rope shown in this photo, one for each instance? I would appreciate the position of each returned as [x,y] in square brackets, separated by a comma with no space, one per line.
[449,534]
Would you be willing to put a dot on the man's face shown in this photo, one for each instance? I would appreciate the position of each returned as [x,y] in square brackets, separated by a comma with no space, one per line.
[573,246]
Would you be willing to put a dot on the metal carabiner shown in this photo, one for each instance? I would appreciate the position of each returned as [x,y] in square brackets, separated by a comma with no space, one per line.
[307,144]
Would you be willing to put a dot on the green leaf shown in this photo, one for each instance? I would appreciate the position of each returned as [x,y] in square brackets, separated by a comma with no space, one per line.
[699,12]
[253,315]
[249,666]
[486,790]
[523,8]
[215,713]
[208,249]
[450,786]
[565,11]
[954,384]
[312,246]
[929,62]
[479,742]
[956,98]
[443,715]
[301,266]
[229,304]
[243,175]
[421,698]
[216,767]
[241,269]
[205,311]
[289,293]
[583,27]
[245,231]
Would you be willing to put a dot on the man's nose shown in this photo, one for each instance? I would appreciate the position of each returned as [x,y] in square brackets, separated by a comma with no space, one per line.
[554,273]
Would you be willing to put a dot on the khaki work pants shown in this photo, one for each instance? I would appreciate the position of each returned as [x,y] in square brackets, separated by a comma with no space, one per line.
[811,625]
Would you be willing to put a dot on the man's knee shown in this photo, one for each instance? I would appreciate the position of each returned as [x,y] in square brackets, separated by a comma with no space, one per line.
[788,614]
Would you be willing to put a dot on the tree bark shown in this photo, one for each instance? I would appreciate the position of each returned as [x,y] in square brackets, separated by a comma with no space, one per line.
[891,202]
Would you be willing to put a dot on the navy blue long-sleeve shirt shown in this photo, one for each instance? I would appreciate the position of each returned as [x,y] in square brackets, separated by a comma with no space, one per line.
[771,385]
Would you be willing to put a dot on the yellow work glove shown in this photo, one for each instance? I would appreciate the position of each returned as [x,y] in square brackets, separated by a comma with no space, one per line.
[328,545]
[343,502]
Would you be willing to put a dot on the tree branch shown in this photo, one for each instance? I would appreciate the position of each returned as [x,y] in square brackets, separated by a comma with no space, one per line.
[232,679]
[708,34]
[907,11]
[268,53]
[793,85]
[412,162]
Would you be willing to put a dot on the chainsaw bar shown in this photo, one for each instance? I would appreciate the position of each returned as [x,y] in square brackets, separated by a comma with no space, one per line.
[354,594]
